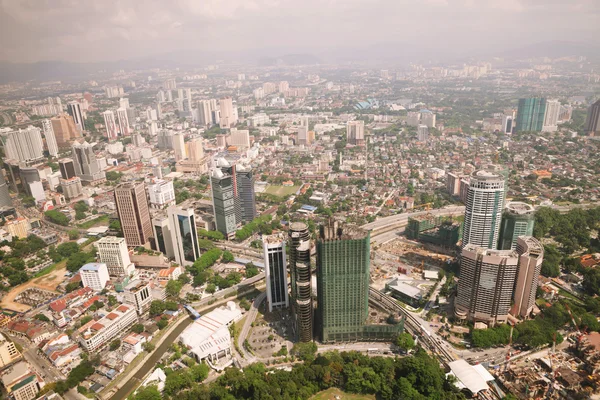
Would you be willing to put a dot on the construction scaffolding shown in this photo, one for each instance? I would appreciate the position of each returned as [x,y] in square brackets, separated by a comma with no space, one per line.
[441,231]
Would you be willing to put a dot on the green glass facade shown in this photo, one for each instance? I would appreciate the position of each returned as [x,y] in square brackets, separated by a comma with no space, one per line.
[530,114]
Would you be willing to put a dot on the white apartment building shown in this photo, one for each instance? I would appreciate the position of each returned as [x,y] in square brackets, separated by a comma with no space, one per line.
[240,138]
[113,252]
[94,276]
[96,334]
[137,294]
[161,194]
[24,145]
[50,138]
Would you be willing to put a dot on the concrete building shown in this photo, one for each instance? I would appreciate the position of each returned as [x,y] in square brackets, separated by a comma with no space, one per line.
[240,138]
[50,138]
[551,117]
[8,352]
[592,119]
[229,117]
[179,146]
[355,133]
[98,333]
[24,145]
[195,151]
[165,139]
[123,118]
[276,271]
[422,133]
[224,203]
[245,191]
[184,236]
[530,114]
[132,207]
[518,220]
[75,111]
[531,256]
[64,130]
[94,276]
[486,284]
[87,166]
[303,135]
[343,266]
[161,193]
[21,382]
[72,188]
[18,227]
[110,125]
[137,294]
[113,252]
[427,118]
[162,235]
[301,276]
[66,167]
[483,209]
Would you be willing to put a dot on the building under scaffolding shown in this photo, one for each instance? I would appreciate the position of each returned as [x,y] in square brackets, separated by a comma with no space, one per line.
[441,231]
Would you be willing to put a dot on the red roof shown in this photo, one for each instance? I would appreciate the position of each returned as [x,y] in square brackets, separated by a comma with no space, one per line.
[112,316]
[123,308]
[97,326]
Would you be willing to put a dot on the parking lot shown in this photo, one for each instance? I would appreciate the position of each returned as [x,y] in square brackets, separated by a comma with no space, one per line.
[270,332]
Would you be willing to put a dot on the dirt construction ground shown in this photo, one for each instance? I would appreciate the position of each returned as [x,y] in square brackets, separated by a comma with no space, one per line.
[47,282]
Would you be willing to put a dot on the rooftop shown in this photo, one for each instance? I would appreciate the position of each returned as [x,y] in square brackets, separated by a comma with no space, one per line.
[92,267]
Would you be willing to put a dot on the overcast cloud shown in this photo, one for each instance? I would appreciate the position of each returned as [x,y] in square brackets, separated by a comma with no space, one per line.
[106,30]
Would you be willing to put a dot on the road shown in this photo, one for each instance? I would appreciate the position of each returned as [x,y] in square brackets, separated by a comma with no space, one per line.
[39,361]
[250,317]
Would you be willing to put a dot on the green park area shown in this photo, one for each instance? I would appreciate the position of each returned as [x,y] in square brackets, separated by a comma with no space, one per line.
[337,394]
[282,191]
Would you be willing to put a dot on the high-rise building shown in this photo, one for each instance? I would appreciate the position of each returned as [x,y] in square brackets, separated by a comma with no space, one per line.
[165,139]
[427,118]
[195,151]
[72,187]
[8,352]
[507,124]
[517,220]
[110,125]
[276,271]
[229,117]
[179,146]
[551,116]
[74,110]
[592,120]
[300,277]
[132,207]
[86,164]
[123,117]
[162,235]
[343,267]
[245,191]
[50,138]
[170,84]
[530,114]
[355,133]
[422,133]
[224,203]
[486,284]
[531,256]
[303,135]
[24,145]
[240,137]
[182,225]
[94,276]
[5,200]
[113,252]
[483,209]
[64,130]
[161,193]
[205,113]
[67,168]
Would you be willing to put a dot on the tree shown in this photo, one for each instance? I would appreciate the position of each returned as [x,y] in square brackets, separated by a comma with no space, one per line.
[112,300]
[199,372]
[211,288]
[28,201]
[71,286]
[68,248]
[79,215]
[162,323]
[42,317]
[227,257]
[405,341]
[157,307]
[78,260]
[147,393]
[113,176]
[115,344]
[148,347]
[137,328]
[57,217]
[305,351]
[251,270]
[245,304]
[173,288]
[73,234]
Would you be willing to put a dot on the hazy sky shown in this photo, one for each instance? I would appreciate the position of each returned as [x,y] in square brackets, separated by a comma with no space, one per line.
[106,30]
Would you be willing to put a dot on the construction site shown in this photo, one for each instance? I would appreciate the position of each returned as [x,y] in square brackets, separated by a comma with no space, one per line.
[444,232]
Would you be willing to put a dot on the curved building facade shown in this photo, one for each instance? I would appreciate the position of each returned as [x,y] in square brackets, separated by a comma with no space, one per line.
[301,274]
[483,210]
[517,220]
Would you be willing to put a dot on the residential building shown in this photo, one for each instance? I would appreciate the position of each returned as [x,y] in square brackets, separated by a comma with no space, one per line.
[113,252]
[137,294]
[161,193]
[245,191]
[123,118]
[422,133]
[87,166]
[240,138]
[97,333]
[205,112]
[486,284]
[276,271]
[110,125]
[8,352]
[184,237]
[66,167]
[165,139]
[194,149]
[427,118]
[530,114]
[50,138]
[132,208]
[74,110]
[551,117]
[179,146]
[531,256]
[72,188]
[355,133]
[303,135]
[300,277]
[592,120]
[64,130]
[517,220]
[24,145]
[94,276]
[229,117]
[224,202]
[483,209]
